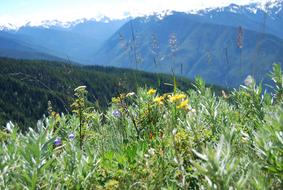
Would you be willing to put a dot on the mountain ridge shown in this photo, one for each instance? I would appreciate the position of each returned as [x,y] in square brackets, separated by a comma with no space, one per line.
[271,7]
[199,43]
[91,42]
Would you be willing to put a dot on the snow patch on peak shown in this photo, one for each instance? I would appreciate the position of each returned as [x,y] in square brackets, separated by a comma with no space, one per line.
[252,10]
[156,16]
[271,6]
[55,24]
[161,15]
[234,8]
[8,27]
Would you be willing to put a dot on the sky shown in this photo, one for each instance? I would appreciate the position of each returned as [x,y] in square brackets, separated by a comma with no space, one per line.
[19,12]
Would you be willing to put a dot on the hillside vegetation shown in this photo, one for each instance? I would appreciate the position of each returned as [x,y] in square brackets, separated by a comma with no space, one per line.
[153,140]
[27,86]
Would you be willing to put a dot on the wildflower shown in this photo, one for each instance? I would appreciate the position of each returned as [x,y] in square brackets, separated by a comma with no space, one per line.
[161,134]
[177,97]
[176,160]
[173,42]
[240,38]
[80,88]
[49,108]
[112,184]
[151,151]
[174,132]
[9,127]
[58,141]
[192,110]
[151,91]
[130,94]
[225,96]
[245,137]
[57,117]
[183,104]
[71,136]
[150,135]
[116,113]
[53,114]
[249,80]
[159,100]
[118,99]
[115,100]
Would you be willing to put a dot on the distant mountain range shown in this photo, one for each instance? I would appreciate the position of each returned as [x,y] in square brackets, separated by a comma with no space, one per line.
[223,44]
[264,18]
[76,41]
[204,49]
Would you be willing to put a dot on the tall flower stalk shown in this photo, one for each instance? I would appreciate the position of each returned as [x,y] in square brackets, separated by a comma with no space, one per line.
[79,106]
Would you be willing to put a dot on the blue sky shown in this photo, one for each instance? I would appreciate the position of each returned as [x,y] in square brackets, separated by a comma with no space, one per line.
[21,11]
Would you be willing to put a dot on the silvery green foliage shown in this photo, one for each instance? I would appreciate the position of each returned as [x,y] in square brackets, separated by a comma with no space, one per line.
[147,141]
[220,167]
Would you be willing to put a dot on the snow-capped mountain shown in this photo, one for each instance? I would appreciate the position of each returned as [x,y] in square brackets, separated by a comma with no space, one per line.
[8,27]
[272,8]
[77,40]
[60,25]
[57,24]
[43,24]
[263,17]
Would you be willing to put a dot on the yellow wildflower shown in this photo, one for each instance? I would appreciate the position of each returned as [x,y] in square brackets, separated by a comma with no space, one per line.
[183,104]
[112,184]
[53,113]
[159,100]
[151,91]
[177,97]
[115,100]
[118,99]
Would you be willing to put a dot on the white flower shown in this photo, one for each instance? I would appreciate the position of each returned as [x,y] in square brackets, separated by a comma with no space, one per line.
[80,87]
[146,155]
[249,80]
[174,131]
[130,94]
[176,160]
[245,136]
[9,127]
[151,151]
[192,109]
[269,144]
